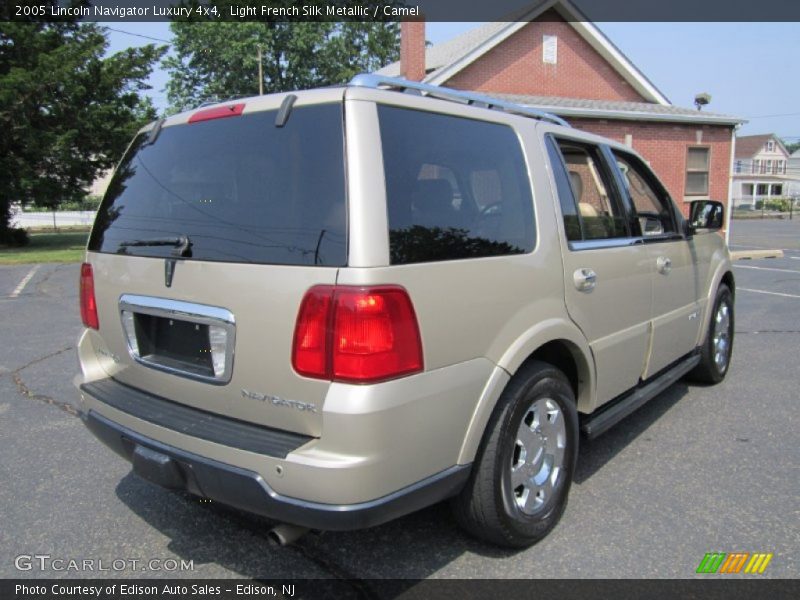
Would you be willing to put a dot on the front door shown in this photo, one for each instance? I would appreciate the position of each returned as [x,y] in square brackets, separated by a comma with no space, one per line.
[676,286]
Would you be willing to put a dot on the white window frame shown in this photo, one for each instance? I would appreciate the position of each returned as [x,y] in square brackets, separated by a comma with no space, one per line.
[707,171]
[550,49]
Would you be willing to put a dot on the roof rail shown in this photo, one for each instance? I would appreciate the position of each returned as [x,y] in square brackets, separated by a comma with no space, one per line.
[370,80]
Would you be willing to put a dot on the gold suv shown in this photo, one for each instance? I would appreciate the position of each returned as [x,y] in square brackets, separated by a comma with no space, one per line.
[335,307]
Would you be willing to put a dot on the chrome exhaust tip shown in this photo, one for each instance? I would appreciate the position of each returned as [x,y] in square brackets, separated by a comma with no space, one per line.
[285,534]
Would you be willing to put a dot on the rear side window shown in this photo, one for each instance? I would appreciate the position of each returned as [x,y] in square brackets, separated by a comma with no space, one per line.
[595,211]
[456,188]
[239,188]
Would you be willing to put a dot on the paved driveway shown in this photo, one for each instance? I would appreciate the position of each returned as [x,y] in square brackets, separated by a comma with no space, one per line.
[698,469]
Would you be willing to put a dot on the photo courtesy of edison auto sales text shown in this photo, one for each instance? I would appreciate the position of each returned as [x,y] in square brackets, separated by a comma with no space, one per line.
[132,589]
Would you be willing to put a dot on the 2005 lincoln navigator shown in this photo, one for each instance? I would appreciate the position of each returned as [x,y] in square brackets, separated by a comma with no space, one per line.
[338,306]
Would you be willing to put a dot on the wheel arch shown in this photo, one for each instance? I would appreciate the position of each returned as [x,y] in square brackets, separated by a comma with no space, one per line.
[560,344]
[727,279]
[723,275]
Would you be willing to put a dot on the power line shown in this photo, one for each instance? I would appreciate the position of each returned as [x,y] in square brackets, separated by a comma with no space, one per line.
[769,116]
[147,37]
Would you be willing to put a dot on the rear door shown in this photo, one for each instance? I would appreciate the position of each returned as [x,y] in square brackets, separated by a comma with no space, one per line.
[210,233]
[606,269]
[676,285]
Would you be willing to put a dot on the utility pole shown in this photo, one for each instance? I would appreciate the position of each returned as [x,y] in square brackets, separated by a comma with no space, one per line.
[260,74]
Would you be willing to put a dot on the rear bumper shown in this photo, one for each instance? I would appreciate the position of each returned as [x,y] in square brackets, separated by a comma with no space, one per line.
[244,489]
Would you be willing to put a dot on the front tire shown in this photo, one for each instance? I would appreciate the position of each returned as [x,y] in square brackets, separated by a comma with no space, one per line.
[715,355]
[520,481]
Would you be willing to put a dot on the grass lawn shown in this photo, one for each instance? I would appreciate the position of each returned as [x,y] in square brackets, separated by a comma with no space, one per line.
[47,247]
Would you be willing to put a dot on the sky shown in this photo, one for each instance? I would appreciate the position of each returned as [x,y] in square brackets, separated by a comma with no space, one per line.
[750,69]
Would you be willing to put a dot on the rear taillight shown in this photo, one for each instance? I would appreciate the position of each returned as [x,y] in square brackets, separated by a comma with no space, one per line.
[88,303]
[310,345]
[355,334]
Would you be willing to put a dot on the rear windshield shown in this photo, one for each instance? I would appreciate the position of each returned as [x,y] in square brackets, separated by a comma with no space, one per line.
[239,189]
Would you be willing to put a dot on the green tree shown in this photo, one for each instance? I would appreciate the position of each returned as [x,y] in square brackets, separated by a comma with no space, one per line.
[214,60]
[66,112]
[791,146]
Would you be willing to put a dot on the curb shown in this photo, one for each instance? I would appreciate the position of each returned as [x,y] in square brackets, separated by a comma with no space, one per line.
[754,254]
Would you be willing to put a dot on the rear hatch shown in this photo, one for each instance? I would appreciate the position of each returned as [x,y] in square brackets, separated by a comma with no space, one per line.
[211,231]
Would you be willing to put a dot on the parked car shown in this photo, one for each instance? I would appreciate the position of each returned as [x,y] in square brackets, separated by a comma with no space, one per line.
[338,306]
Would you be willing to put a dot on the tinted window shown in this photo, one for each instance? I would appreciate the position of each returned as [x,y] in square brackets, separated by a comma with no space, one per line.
[600,212]
[456,188]
[241,189]
[650,202]
[569,210]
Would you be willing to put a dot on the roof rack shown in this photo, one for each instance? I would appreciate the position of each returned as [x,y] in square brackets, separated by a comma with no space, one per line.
[370,80]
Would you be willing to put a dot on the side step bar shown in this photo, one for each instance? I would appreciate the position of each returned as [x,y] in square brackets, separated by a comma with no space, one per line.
[604,418]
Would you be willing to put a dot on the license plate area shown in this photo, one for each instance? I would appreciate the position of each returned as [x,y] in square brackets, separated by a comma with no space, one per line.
[183,338]
[176,343]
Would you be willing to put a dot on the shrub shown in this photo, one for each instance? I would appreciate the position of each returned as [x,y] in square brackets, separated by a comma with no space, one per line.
[14,237]
[779,204]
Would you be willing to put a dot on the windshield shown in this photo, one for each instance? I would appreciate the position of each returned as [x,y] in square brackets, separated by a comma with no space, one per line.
[240,188]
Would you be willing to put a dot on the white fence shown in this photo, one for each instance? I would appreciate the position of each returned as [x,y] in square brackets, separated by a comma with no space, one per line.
[42,220]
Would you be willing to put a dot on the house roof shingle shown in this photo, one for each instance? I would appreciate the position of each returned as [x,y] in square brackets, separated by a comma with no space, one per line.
[440,58]
[441,55]
[747,146]
[639,111]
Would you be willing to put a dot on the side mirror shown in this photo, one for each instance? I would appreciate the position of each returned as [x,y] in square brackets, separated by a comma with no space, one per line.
[705,215]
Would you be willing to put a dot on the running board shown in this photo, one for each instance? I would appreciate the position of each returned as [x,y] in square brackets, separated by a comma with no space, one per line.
[600,421]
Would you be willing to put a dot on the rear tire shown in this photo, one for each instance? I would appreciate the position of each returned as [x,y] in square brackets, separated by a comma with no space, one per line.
[521,477]
[715,355]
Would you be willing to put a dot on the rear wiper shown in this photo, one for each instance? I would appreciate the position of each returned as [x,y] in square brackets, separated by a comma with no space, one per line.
[183,246]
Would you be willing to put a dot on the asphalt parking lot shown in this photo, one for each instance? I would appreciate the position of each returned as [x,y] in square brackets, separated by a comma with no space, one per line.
[697,470]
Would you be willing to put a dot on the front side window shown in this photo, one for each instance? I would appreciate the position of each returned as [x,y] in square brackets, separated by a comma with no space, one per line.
[649,200]
[697,171]
[455,188]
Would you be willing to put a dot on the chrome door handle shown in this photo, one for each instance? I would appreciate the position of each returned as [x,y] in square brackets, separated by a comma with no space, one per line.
[664,265]
[585,279]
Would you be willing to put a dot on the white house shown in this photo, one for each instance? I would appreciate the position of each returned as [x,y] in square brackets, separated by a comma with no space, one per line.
[793,170]
[761,170]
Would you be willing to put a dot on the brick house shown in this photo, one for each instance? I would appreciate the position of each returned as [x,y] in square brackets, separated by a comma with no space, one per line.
[553,59]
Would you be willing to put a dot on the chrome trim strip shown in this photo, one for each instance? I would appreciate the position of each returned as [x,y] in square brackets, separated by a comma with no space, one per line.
[625,242]
[605,243]
[202,314]
[166,307]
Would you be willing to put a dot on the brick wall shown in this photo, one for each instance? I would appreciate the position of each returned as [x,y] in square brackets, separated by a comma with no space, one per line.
[664,146]
[412,50]
[515,66]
